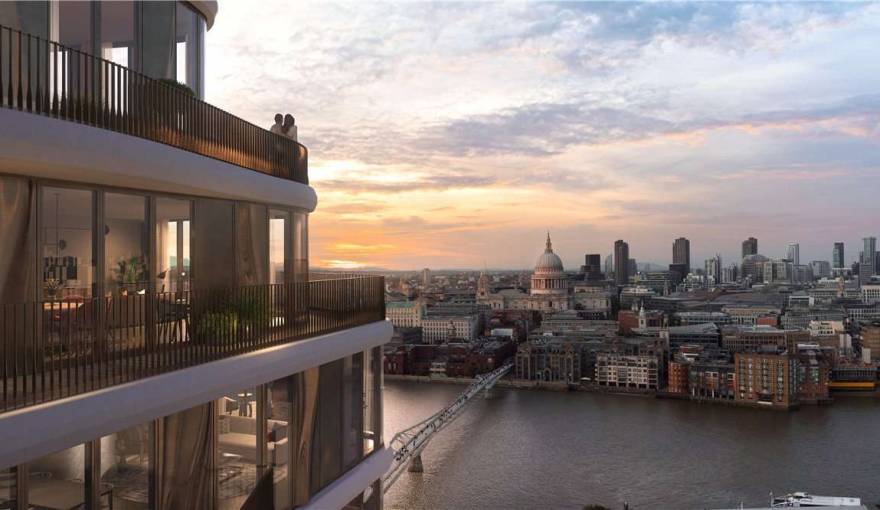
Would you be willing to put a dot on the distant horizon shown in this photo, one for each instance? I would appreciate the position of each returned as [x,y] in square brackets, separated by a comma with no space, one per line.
[457,134]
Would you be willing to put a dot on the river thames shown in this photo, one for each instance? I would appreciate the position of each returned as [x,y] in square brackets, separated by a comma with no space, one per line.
[542,449]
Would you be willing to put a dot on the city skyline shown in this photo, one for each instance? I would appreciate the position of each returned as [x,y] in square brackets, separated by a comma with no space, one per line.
[578,125]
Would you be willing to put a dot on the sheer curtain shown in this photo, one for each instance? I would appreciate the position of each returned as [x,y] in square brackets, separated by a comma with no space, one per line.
[17,271]
[187,460]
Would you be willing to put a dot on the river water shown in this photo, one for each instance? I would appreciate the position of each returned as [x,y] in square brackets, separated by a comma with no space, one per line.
[542,449]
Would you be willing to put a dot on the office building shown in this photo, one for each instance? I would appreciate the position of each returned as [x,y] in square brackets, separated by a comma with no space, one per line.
[753,338]
[405,314]
[592,269]
[181,353]
[609,267]
[681,253]
[838,258]
[621,262]
[793,253]
[820,269]
[867,261]
[749,247]
[714,274]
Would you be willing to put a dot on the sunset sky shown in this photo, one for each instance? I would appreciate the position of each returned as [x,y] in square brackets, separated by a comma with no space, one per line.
[454,135]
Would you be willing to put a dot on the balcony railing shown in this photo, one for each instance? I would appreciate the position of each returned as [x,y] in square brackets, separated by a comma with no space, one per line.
[46,78]
[56,349]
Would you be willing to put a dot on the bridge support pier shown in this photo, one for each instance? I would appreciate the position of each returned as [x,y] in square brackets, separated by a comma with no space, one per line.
[415,465]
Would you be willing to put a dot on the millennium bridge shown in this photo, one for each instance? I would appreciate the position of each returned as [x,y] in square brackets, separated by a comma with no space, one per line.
[408,444]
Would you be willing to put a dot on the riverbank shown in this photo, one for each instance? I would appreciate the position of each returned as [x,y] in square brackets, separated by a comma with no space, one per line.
[563,386]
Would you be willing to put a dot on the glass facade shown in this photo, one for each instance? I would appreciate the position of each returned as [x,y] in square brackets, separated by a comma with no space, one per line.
[313,425]
[161,39]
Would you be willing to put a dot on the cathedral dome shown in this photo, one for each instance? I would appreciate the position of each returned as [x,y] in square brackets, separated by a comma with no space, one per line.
[549,277]
[549,262]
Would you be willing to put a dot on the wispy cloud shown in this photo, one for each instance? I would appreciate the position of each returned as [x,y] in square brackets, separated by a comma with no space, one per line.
[453,134]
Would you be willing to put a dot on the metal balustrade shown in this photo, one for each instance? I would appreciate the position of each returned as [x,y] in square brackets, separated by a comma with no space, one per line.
[56,349]
[45,78]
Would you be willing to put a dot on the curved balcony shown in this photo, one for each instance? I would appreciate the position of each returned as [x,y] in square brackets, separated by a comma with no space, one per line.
[55,349]
[48,79]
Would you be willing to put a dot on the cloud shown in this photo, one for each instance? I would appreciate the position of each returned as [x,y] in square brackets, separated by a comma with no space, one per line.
[439,132]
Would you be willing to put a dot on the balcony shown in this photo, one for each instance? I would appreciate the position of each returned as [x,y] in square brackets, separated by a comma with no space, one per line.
[56,349]
[45,78]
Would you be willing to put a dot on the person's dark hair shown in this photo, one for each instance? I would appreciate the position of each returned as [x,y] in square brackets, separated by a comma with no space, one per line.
[289,118]
[278,118]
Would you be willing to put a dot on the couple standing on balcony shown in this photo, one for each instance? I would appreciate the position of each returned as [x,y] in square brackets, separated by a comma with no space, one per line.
[284,126]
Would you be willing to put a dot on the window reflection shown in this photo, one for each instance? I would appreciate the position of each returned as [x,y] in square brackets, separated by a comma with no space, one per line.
[29,17]
[157,52]
[117,32]
[75,25]
[188,43]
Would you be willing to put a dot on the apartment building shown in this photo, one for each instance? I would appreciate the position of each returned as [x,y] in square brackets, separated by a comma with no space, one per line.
[766,378]
[627,371]
[163,343]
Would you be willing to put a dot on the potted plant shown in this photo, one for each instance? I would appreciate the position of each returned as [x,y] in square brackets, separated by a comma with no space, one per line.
[130,271]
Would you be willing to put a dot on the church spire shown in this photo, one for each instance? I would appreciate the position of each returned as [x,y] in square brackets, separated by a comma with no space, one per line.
[549,248]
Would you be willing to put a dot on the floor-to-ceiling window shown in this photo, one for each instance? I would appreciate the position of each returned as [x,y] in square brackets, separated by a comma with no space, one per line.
[173,219]
[68,260]
[29,17]
[157,36]
[237,456]
[117,34]
[279,413]
[8,493]
[125,466]
[74,25]
[279,246]
[126,244]
[57,480]
[372,396]
[126,269]
[301,246]
[352,410]
[190,27]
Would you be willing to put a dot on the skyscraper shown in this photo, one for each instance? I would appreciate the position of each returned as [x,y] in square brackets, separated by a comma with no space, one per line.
[750,247]
[592,267]
[609,267]
[837,256]
[681,253]
[868,260]
[621,262]
[793,253]
[713,270]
